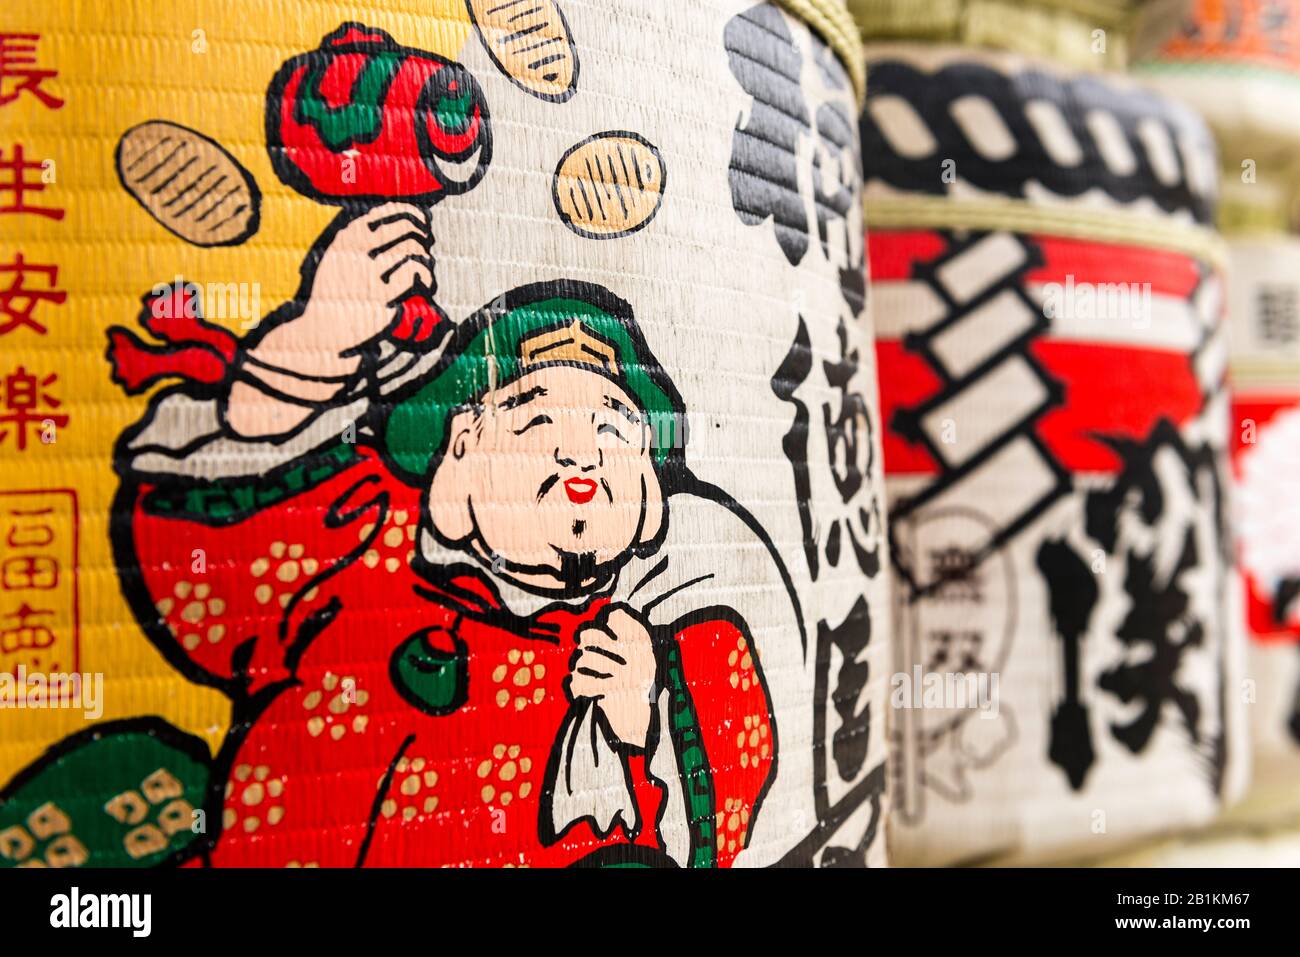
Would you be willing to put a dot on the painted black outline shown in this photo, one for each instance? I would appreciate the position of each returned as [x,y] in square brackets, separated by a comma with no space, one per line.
[906,422]
[467,329]
[626,855]
[464,333]
[131,583]
[607,135]
[831,817]
[246,709]
[721,613]
[254,192]
[546,833]
[377,805]
[1203,459]
[790,374]
[292,176]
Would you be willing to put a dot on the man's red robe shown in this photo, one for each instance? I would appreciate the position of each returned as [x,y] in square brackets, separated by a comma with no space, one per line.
[303,590]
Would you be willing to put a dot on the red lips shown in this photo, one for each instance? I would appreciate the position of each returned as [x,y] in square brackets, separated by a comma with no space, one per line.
[580,490]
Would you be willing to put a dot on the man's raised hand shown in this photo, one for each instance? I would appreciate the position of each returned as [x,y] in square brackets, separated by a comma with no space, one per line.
[366,268]
[369,266]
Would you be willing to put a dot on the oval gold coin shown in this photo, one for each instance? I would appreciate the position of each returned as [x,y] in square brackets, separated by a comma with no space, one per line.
[189,183]
[609,185]
[529,41]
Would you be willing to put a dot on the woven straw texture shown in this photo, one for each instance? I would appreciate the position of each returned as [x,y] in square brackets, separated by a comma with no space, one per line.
[449,429]
[1238,64]
[1084,35]
[1052,361]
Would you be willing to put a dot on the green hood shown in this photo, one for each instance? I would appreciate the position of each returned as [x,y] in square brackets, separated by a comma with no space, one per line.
[416,429]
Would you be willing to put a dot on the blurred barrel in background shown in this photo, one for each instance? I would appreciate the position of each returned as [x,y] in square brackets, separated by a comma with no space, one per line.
[1238,63]
[1081,34]
[1264,317]
[1048,299]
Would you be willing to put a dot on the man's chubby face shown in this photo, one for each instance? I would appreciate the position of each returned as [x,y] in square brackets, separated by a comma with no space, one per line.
[550,480]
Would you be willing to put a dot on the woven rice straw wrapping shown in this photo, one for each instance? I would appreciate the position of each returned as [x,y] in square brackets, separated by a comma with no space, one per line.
[1239,63]
[1047,295]
[500,485]
[1085,34]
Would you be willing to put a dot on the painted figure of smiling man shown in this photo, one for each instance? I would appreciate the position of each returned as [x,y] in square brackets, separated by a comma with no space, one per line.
[470,608]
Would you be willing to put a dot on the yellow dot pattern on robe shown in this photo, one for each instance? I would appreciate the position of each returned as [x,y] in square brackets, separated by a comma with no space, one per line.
[504,774]
[517,681]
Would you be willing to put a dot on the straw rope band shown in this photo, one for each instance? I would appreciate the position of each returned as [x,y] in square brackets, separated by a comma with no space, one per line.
[1244,218]
[834,23]
[929,14]
[1064,32]
[1216,68]
[1103,225]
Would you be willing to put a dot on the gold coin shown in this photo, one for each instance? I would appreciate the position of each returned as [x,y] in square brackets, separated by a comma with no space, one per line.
[189,184]
[609,185]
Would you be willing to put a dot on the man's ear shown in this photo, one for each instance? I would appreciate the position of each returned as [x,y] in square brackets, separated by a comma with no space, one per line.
[655,508]
[461,425]
[450,486]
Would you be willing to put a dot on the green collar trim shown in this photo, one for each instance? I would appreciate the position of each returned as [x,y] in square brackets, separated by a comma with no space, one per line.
[227,501]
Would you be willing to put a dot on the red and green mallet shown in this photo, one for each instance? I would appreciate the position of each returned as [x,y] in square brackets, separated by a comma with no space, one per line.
[362,121]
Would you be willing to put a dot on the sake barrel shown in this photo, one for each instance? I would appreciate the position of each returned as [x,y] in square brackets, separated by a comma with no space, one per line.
[445,433]
[1048,300]
[1263,310]
[1237,62]
[1223,847]
[1086,36]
